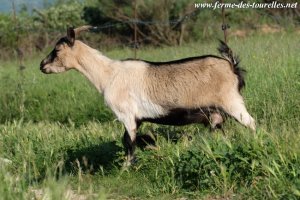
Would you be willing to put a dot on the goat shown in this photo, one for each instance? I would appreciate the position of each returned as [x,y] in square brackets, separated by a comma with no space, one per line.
[190,90]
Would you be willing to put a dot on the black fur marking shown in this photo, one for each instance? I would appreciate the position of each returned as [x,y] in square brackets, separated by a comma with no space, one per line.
[53,54]
[64,40]
[240,72]
[180,61]
[182,116]
[226,52]
[50,58]
[129,145]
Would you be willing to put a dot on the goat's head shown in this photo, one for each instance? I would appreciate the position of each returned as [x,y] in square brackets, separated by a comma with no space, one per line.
[63,56]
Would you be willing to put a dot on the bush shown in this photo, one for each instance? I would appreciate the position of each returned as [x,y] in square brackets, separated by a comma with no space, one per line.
[60,17]
[8,34]
[167,22]
[218,165]
[158,22]
[26,33]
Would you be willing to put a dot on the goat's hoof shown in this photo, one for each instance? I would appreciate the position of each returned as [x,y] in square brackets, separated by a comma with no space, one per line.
[126,166]
[128,163]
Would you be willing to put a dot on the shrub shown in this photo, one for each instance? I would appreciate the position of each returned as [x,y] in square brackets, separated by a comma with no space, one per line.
[158,22]
[60,17]
[221,165]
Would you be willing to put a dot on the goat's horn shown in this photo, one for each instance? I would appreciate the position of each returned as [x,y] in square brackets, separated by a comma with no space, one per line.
[82,28]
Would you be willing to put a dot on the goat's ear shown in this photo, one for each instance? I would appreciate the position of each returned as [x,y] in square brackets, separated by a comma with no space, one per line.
[71,35]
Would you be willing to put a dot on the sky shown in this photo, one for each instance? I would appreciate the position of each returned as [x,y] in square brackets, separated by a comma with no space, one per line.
[6,5]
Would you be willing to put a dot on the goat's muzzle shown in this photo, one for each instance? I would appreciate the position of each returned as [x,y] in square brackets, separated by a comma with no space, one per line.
[42,66]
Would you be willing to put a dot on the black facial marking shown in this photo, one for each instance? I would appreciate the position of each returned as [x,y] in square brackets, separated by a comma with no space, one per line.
[64,40]
[53,54]
[49,59]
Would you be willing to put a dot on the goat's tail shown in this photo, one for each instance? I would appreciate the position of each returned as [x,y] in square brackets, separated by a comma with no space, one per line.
[226,53]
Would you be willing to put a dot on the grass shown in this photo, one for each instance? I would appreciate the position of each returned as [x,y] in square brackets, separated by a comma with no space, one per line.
[58,140]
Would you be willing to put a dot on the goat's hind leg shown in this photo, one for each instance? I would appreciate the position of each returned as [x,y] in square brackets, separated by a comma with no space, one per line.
[216,121]
[212,117]
[236,108]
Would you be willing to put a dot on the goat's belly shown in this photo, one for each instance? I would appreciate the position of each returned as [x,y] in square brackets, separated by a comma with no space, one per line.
[181,116]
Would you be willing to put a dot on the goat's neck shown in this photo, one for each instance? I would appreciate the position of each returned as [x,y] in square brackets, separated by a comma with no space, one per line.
[96,67]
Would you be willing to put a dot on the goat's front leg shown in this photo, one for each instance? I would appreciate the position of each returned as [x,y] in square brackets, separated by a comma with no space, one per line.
[129,142]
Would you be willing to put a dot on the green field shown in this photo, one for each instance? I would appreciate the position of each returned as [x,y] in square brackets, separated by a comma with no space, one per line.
[58,140]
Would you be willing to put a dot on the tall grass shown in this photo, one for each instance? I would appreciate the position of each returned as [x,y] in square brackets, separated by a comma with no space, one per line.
[62,142]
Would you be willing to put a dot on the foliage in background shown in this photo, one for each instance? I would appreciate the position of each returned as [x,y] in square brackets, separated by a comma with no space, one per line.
[60,17]
[158,22]
[166,22]
[28,33]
